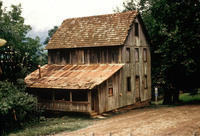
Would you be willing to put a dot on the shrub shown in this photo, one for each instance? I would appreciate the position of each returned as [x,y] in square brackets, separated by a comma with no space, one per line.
[16,107]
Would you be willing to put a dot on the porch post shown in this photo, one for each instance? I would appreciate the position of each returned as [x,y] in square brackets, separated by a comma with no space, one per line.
[70,93]
[89,100]
[53,95]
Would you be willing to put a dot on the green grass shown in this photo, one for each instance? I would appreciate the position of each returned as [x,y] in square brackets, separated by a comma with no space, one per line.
[190,99]
[184,98]
[53,125]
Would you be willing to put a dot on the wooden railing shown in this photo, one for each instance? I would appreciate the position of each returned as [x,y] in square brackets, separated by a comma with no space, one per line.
[61,105]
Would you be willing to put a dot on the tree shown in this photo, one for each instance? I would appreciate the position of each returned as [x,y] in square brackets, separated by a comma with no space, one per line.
[20,54]
[174,30]
[50,34]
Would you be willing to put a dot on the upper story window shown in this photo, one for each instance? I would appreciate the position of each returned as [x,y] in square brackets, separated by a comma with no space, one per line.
[128,57]
[136,29]
[145,55]
[136,54]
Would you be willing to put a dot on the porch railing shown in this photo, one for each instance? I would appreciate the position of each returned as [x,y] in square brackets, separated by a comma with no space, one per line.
[61,105]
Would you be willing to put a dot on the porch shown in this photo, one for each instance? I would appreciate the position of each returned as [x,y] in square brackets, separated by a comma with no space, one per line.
[60,105]
[66,100]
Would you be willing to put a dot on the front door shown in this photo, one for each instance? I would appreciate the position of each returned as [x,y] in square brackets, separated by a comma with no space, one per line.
[95,101]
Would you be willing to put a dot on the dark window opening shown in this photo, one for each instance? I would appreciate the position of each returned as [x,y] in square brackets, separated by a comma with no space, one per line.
[45,94]
[86,56]
[145,55]
[67,56]
[80,95]
[128,57]
[62,95]
[145,82]
[136,29]
[128,84]
[136,54]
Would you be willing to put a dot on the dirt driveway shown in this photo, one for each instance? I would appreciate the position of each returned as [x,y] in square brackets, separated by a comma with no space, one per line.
[162,121]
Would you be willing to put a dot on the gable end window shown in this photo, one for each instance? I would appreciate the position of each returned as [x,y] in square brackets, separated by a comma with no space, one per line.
[136,29]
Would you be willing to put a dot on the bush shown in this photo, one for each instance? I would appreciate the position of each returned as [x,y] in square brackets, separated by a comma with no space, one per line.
[16,107]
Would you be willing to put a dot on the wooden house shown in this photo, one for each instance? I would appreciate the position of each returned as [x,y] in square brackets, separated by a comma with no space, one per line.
[95,64]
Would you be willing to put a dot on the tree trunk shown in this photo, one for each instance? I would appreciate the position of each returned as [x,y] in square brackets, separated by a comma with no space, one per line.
[171,96]
[167,97]
[175,96]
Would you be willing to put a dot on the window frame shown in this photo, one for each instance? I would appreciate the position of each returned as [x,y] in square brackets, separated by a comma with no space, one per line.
[110,87]
[136,54]
[145,54]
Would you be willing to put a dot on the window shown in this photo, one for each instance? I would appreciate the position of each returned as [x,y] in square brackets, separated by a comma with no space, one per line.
[62,95]
[136,54]
[128,84]
[79,95]
[128,58]
[145,82]
[110,87]
[136,29]
[110,91]
[145,55]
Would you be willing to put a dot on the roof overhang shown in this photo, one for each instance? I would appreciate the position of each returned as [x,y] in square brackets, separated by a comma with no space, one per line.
[71,76]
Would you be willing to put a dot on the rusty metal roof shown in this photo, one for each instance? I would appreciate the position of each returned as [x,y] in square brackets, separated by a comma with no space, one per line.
[102,30]
[71,76]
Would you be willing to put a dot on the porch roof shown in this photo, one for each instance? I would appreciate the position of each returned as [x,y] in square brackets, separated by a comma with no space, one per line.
[71,76]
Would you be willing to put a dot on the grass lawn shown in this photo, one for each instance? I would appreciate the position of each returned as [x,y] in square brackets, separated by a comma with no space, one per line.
[190,99]
[184,98]
[54,125]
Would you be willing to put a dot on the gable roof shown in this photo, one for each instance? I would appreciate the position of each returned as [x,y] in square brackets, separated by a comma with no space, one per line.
[71,76]
[102,30]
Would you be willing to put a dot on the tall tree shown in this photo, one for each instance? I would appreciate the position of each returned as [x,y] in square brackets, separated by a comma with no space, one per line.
[174,30]
[50,34]
[20,54]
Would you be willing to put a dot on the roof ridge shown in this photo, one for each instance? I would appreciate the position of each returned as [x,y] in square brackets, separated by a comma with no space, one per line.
[93,31]
[117,13]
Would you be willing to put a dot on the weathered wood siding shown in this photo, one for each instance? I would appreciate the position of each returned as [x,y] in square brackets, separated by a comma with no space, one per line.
[94,55]
[139,70]
[109,102]
[135,54]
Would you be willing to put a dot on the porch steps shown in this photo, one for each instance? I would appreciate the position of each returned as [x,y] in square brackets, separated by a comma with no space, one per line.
[93,114]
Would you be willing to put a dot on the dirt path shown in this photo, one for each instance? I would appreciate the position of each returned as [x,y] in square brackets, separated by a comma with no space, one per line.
[163,121]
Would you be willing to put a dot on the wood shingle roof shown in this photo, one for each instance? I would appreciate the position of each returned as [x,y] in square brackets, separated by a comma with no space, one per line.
[102,30]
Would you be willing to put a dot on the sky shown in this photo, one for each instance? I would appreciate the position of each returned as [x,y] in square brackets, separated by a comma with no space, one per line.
[42,15]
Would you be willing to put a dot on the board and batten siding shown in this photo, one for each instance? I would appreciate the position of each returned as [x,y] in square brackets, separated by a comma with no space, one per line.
[95,55]
[138,70]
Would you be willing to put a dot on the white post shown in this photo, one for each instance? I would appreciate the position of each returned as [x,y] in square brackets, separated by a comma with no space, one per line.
[156,95]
